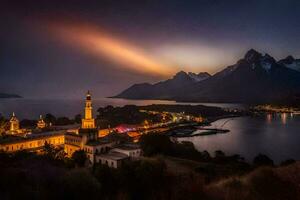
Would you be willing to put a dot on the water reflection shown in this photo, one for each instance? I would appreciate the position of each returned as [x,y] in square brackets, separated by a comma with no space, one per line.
[284,117]
[276,135]
[269,118]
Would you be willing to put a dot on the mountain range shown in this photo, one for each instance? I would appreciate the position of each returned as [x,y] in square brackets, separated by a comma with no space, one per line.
[255,78]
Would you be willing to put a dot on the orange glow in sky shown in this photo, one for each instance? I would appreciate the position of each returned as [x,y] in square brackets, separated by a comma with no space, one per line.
[120,52]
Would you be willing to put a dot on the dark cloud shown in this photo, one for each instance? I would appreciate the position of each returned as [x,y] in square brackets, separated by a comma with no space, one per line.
[34,65]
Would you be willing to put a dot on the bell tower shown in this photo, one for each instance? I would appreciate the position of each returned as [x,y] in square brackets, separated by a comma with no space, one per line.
[88,121]
[14,124]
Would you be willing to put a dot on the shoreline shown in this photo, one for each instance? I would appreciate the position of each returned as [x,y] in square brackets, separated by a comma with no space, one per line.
[193,128]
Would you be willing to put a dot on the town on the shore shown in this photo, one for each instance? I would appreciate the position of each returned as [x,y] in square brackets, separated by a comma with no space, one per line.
[101,145]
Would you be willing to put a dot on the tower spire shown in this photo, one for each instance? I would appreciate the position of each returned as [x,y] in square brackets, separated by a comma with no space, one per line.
[88,121]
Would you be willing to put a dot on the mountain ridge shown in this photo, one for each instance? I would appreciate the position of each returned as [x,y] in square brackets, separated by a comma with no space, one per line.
[253,78]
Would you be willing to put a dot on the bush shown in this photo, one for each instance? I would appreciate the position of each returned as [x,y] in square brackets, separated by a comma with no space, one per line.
[79,158]
[287,162]
[262,160]
[264,183]
[153,144]
[80,184]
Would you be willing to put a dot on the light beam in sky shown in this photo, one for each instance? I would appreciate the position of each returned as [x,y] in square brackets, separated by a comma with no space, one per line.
[100,43]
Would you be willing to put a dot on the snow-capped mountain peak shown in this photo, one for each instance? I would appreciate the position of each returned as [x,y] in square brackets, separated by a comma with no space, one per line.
[199,77]
[266,62]
[291,63]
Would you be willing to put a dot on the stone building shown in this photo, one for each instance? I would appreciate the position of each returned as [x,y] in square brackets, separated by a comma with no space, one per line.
[33,142]
[103,149]
[88,122]
[41,123]
[120,153]
[14,124]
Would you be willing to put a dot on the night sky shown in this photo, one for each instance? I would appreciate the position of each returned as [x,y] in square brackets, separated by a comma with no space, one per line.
[61,48]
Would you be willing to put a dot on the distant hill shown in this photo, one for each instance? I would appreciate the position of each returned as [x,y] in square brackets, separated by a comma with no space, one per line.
[5,95]
[254,78]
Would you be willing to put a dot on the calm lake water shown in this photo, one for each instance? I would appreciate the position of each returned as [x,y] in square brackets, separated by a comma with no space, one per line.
[32,108]
[277,136]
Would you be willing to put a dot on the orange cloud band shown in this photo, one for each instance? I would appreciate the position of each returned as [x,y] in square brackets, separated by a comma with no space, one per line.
[124,54]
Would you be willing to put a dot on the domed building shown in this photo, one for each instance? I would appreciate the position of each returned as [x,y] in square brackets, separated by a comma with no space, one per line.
[14,124]
[41,123]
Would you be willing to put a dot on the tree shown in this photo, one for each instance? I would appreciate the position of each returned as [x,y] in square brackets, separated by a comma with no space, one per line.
[53,153]
[152,144]
[49,118]
[80,184]
[79,158]
[63,121]
[78,118]
[26,123]
[262,159]
[287,162]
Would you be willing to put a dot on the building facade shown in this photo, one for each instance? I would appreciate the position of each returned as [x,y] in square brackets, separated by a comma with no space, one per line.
[32,142]
[88,122]
[99,148]
[14,127]
[41,123]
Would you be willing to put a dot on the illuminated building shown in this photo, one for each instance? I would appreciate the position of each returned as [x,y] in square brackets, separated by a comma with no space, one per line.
[41,123]
[88,121]
[98,149]
[86,138]
[33,142]
[198,119]
[105,149]
[14,124]
[123,128]
[116,156]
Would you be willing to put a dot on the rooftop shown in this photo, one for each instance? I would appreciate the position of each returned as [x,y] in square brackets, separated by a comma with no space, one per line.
[113,156]
[97,142]
[128,147]
[8,139]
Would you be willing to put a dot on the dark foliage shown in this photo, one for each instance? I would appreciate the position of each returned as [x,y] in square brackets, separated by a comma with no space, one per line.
[79,157]
[266,184]
[26,123]
[287,162]
[262,159]
[110,116]
[61,121]
[49,118]
[77,118]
